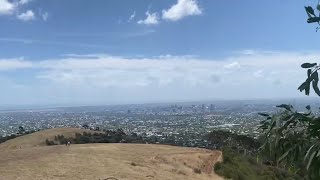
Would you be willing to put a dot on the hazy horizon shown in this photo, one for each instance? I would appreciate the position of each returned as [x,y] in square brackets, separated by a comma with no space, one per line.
[276,101]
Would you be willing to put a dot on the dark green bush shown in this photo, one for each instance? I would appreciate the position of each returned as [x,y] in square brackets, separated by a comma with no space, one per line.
[238,167]
[50,143]
[100,137]
[217,166]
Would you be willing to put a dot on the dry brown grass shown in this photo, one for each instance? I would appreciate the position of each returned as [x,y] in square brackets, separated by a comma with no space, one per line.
[101,161]
[39,138]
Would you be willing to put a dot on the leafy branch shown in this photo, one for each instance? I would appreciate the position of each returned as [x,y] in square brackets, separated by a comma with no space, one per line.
[312,78]
[311,12]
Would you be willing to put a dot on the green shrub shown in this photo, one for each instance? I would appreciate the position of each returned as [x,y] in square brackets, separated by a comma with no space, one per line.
[239,167]
[217,166]
[50,143]
[117,136]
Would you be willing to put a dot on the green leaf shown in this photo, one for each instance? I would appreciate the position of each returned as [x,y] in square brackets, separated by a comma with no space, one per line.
[309,15]
[315,87]
[308,65]
[284,155]
[309,72]
[307,90]
[308,107]
[264,114]
[306,114]
[305,157]
[303,86]
[272,125]
[315,76]
[310,10]
[310,159]
[285,106]
[313,19]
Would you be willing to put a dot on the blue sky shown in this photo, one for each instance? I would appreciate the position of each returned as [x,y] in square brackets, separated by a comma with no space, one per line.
[135,51]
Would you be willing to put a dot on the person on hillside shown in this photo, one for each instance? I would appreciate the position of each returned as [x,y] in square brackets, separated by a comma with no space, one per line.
[66,143]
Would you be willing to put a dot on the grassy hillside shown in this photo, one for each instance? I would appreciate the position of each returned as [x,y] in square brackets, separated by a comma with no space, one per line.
[38,138]
[100,161]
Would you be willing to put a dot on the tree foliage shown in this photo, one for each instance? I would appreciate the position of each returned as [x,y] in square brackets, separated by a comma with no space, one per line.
[288,138]
[292,138]
[237,167]
[107,136]
[241,143]
[312,78]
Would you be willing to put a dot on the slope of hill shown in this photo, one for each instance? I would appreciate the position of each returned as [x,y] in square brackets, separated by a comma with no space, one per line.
[38,138]
[101,161]
[34,160]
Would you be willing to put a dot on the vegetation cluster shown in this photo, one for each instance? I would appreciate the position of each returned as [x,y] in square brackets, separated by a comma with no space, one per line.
[109,136]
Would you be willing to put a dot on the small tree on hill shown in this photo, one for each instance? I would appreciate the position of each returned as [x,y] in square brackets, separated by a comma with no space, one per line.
[21,130]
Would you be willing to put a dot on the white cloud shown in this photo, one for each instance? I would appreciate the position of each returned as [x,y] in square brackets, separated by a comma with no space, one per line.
[250,52]
[116,79]
[44,16]
[52,43]
[151,19]
[102,70]
[13,64]
[178,77]
[233,65]
[182,9]
[6,7]
[138,34]
[132,16]
[16,40]
[13,8]
[258,73]
[26,16]
[22,2]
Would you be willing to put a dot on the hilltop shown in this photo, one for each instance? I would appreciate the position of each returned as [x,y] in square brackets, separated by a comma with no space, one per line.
[100,161]
[38,138]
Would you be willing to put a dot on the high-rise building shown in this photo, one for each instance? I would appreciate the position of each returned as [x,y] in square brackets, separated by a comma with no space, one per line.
[211,107]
